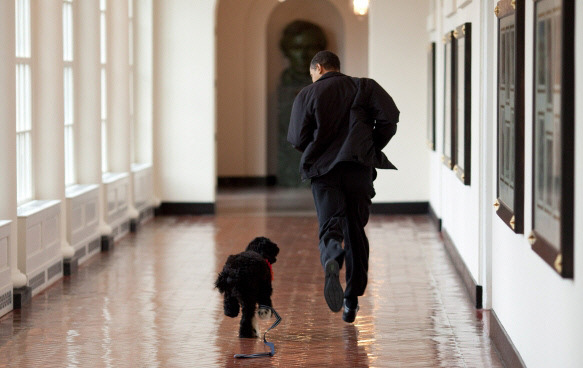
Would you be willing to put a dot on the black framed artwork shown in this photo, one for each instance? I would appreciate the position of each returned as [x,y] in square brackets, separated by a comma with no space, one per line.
[431,96]
[510,120]
[553,134]
[463,119]
[449,101]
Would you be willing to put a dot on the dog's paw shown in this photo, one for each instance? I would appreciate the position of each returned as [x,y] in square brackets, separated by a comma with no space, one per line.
[264,313]
[249,333]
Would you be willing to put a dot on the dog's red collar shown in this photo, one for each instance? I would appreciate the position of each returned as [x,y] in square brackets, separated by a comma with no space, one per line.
[270,269]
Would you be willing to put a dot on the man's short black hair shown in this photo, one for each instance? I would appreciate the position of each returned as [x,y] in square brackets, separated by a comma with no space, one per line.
[327,59]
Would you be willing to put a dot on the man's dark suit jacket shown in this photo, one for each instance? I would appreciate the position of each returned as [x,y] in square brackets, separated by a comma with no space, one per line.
[340,118]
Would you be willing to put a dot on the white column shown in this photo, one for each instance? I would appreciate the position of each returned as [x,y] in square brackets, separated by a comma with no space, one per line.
[48,114]
[88,98]
[118,94]
[143,77]
[8,136]
[87,91]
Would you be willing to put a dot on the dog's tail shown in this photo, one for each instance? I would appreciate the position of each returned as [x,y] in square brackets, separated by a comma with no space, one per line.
[226,279]
[222,282]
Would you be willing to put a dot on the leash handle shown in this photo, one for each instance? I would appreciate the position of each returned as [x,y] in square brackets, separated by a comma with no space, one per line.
[270,344]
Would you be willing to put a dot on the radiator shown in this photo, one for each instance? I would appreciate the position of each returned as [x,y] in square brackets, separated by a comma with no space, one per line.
[143,188]
[39,243]
[5,279]
[116,202]
[83,219]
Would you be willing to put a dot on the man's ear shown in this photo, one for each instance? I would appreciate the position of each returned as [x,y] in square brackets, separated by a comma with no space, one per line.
[319,69]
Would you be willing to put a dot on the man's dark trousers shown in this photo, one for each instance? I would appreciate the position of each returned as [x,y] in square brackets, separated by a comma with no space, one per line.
[343,198]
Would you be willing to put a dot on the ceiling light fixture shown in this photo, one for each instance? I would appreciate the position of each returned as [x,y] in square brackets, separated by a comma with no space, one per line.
[360,7]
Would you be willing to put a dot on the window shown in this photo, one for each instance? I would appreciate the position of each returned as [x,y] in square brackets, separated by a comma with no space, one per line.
[69,101]
[23,102]
[103,44]
[131,78]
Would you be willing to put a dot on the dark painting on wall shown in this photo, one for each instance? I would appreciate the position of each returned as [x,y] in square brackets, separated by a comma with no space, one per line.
[553,131]
[448,100]
[431,96]
[463,127]
[510,121]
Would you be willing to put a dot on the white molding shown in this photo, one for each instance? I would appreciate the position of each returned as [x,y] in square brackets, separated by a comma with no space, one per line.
[77,190]
[449,7]
[111,177]
[430,22]
[463,3]
[136,167]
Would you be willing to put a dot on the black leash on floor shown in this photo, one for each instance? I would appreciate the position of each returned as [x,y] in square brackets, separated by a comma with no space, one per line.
[270,344]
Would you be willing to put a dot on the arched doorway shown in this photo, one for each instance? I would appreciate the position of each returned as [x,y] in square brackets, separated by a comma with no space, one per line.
[249,63]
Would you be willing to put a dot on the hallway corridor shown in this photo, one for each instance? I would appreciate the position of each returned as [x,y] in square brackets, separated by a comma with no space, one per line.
[150,301]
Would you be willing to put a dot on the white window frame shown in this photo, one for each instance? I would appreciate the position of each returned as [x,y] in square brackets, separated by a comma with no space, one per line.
[131,79]
[23,90]
[69,93]
[103,59]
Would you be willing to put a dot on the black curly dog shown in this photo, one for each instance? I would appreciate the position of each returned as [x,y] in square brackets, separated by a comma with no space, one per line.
[245,282]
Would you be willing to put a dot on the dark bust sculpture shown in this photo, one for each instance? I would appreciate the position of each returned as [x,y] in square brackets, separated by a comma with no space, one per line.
[301,40]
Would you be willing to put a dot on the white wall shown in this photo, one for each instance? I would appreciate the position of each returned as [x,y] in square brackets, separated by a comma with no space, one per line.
[449,196]
[537,308]
[184,100]
[397,60]
[540,310]
[249,64]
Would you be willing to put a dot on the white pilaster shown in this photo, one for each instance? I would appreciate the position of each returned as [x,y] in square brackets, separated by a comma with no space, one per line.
[48,113]
[8,136]
[87,91]
[118,93]
[88,98]
[118,86]
[143,78]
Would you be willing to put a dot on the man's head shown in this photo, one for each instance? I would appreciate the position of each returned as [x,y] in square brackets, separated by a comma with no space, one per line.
[323,62]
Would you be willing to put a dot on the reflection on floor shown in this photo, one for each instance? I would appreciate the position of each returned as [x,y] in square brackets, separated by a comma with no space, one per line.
[262,201]
[150,301]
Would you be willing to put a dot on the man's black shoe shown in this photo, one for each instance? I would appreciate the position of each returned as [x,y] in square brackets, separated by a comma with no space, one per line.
[349,314]
[333,292]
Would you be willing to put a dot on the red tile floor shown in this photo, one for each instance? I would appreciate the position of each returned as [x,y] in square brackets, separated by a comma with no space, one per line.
[150,301]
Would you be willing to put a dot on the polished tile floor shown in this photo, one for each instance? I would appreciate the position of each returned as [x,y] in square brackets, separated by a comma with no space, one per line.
[150,301]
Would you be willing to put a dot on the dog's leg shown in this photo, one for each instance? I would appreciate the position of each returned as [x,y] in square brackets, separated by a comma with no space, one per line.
[230,306]
[246,328]
[255,324]
[265,299]
[264,313]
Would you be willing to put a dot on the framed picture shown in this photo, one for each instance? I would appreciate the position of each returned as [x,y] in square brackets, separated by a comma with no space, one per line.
[463,119]
[431,96]
[510,121]
[553,134]
[448,100]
